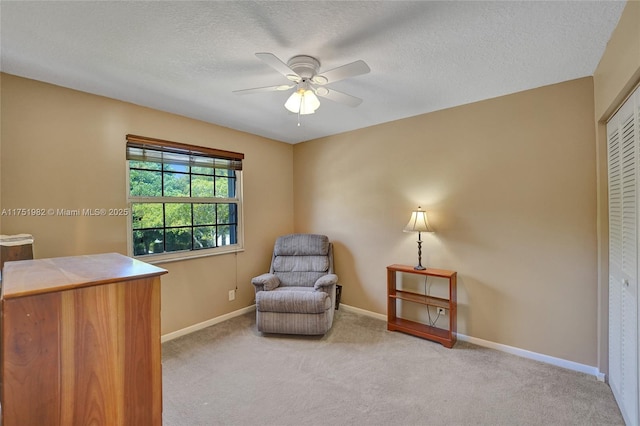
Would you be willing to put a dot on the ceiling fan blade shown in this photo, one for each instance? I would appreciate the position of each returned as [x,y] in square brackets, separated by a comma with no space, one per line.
[345,71]
[343,98]
[263,89]
[275,63]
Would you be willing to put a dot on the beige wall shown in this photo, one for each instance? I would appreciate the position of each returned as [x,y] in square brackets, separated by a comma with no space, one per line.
[509,184]
[619,68]
[66,149]
[615,77]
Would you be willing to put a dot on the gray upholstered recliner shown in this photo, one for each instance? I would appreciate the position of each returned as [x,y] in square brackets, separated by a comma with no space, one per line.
[298,295]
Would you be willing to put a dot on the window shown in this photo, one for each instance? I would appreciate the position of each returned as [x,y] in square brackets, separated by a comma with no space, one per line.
[185,201]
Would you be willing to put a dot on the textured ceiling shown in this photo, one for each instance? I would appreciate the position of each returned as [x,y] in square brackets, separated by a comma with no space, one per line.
[187,57]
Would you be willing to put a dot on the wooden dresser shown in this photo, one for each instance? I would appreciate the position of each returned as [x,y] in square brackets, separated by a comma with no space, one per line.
[80,342]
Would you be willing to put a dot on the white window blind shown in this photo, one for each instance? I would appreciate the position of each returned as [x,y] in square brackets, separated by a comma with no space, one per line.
[185,201]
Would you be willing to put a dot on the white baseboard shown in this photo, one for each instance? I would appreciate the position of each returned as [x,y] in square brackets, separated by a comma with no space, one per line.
[217,320]
[205,324]
[559,362]
[353,309]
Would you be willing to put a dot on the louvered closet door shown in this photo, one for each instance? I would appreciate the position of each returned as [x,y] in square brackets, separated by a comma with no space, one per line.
[623,139]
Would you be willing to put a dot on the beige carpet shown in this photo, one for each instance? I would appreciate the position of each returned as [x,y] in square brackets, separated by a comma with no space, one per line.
[362,374]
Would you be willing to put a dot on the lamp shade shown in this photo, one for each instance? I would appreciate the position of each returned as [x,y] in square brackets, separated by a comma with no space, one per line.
[302,101]
[418,222]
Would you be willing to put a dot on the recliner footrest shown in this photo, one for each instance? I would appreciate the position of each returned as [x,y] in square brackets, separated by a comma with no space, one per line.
[303,302]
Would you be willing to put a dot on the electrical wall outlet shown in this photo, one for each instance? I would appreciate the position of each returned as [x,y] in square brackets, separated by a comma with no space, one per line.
[442,311]
[232,295]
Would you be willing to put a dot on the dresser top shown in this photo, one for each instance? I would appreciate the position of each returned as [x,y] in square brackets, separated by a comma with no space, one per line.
[30,277]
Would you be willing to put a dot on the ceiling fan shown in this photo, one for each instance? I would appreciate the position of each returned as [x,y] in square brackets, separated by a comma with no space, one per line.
[304,73]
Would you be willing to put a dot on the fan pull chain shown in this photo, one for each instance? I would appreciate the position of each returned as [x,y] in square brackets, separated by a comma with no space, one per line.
[300,108]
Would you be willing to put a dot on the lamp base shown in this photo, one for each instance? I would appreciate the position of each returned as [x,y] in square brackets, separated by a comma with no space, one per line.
[419,267]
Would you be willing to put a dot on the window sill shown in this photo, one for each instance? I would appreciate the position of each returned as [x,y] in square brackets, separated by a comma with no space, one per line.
[155,259]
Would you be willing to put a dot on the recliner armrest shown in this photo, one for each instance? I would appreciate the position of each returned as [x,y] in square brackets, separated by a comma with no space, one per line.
[266,281]
[326,281]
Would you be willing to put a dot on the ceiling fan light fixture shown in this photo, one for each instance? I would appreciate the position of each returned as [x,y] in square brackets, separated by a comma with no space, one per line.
[302,101]
[304,72]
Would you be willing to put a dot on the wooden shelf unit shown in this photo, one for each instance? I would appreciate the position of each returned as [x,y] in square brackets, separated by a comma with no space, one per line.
[447,337]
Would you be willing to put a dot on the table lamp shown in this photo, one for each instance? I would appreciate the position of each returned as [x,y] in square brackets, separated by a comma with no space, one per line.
[418,223]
